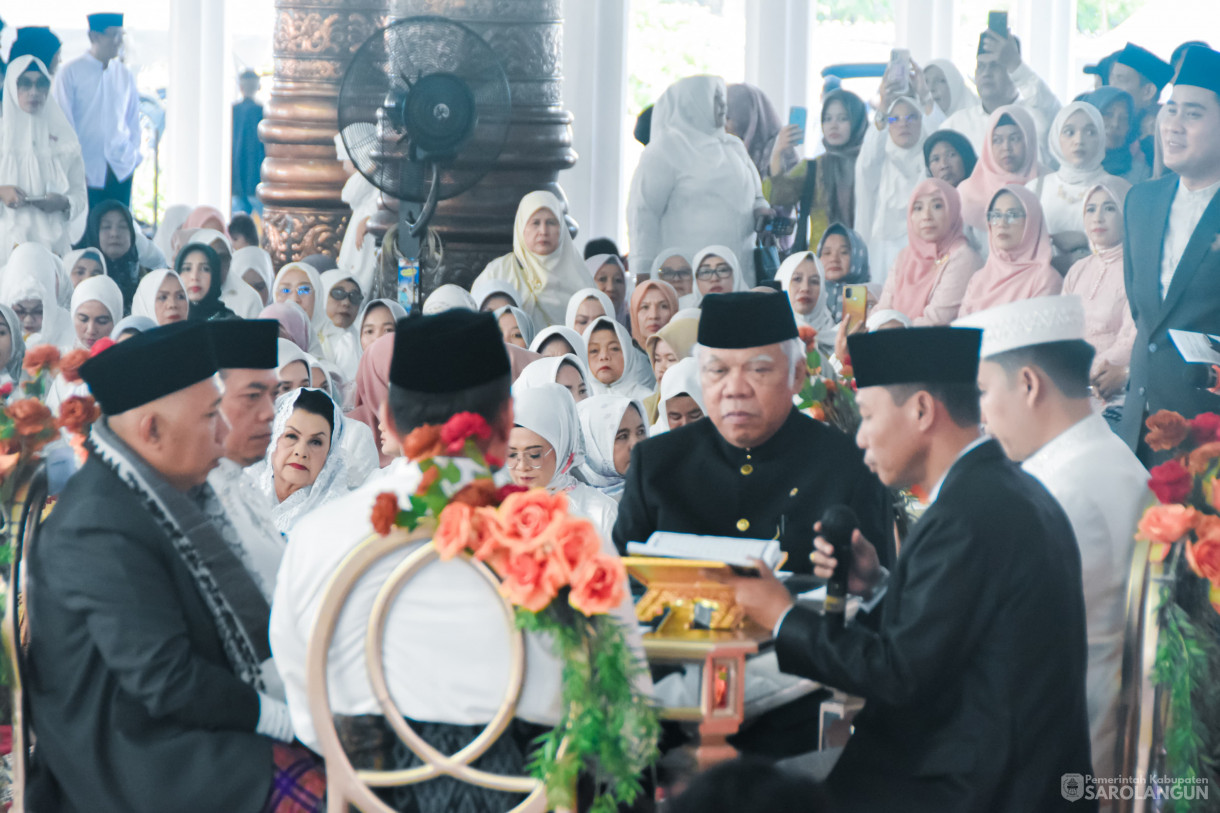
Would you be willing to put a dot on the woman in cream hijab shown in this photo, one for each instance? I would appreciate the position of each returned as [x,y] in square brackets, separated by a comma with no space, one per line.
[545,266]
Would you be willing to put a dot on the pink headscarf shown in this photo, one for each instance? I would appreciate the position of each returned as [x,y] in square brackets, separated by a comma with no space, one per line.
[373,388]
[292,318]
[979,189]
[1024,272]
[637,298]
[917,268]
[206,217]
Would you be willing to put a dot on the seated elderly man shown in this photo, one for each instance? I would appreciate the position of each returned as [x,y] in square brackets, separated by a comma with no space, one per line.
[149,642]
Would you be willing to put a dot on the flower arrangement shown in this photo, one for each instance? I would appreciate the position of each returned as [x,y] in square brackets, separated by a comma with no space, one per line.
[1183,530]
[825,396]
[552,569]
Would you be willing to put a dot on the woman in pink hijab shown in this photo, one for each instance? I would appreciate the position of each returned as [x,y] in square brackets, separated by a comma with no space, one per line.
[1019,266]
[931,274]
[294,322]
[653,303]
[1010,156]
[206,217]
[373,391]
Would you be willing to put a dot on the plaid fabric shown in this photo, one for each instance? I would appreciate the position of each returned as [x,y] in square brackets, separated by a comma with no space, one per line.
[299,784]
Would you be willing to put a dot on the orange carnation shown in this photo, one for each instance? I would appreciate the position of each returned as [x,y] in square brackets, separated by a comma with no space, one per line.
[529,519]
[44,355]
[528,580]
[69,365]
[1200,459]
[808,336]
[598,585]
[477,493]
[1164,525]
[1166,430]
[30,416]
[1203,556]
[385,513]
[576,542]
[77,412]
[423,442]
[456,531]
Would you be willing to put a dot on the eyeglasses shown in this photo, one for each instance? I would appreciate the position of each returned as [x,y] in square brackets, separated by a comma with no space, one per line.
[355,297]
[300,290]
[907,119]
[707,272]
[1009,217]
[532,460]
[41,83]
[674,276]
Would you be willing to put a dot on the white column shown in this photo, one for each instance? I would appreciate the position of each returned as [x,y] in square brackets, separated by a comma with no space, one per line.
[777,51]
[1045,28]
[595,91]
[925,28]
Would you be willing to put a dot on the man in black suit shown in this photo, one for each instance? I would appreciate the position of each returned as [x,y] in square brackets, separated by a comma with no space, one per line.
[1171,262]
[971,655]
[150,680]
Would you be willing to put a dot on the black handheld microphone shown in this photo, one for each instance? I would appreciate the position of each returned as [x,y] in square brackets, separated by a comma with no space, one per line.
[838,525]
[1203,377]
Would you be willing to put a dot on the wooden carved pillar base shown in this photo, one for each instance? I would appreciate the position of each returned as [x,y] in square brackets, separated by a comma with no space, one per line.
[301,177]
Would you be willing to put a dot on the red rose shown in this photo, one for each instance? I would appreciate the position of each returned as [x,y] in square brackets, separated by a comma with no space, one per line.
[385,513]
[507,490]
[1205,427]
[104,343]
[6,390]
[1171,482]
[461,427]
[69,365]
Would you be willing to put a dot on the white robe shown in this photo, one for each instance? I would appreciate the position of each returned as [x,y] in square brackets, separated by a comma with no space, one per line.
[1032,93]
[886,177]
[1103,490]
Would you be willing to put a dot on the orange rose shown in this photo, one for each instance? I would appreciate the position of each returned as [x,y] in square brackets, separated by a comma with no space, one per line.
[1203,555]
[1166,524]
[1166,430]
[385,513]
[44,355]
[423,442]
[30,416]
[477,493]
[576,541]
[1200,459]
[598,585]
[489,546]
[456,531]
[77,412]
[529,519]
[69,365]
[528,580]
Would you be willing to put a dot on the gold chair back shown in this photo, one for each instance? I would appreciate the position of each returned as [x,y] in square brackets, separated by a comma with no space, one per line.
[349,786]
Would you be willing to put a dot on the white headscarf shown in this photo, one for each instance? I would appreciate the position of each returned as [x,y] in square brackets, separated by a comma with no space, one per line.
[171,221]
[98,289]
[1088,172]
[31,274]
[637,380]
[36,153]
[449,297]
[71,258]
[331,481]
[144,303]
[595,263]
[549,411]
[396,312]
[820,318]
[960,96]
[668,254]
[695,298]
[566,333]
[545,282]
[318,319]
[600,417]
[1063,202]
[484,288]
[12,367]
[140,324]
[680,379]
[545,371]
[524,323]
[338,344]
[253,258]
[286,352]
[577,299]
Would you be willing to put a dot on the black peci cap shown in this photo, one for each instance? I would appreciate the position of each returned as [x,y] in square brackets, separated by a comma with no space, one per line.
[150,365]
[1150,66]
[917,355]
[745,319]
[101,21]
[448,352]
[1200,68]
[245,344]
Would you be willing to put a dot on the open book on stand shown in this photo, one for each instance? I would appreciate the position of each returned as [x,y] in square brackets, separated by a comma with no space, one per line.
[735,552]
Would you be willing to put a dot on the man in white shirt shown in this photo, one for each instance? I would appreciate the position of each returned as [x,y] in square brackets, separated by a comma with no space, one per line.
[98,95]
[1171,258]
[1002,78]
[1034,385]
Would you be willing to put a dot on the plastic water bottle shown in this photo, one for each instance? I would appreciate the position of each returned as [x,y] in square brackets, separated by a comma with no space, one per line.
[408,281]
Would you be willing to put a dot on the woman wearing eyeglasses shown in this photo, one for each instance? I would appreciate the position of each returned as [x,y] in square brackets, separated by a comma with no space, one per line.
[302,284]
[338,339]
[717,271]
[673,266]
[1019,264]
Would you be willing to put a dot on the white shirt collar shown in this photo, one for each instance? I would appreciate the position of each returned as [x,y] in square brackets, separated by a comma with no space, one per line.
[1198,196]
[979,441]
[1082,431]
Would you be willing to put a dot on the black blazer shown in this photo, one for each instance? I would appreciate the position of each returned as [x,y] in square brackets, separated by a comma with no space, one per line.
[133,701]
[691,480]
[973,665]
[1158,373]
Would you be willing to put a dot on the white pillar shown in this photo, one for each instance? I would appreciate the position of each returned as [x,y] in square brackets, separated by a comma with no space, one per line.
[1045,28]
[777,51]
[925,28]
[595,91]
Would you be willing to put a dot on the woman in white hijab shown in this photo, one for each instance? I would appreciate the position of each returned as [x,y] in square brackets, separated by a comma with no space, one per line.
[342,299]
[10,364]
[544,448]
[358,444]
[82,263]
[672,265]
[358,252]
[97,306]
[586,305]
[890,166]
[948,87]
[558,341]
[681,397]
[492,294]
[160,296]
[449,297]
[253,266]
[130,326]
[1077,141]
[42,173]
[305,464]
[717,271]
[377,318]
[171,221]
[567,371]
[611,278]
[804,281]
[27,285]
[516,326]
[235,293]
[695,184]
[612,426]
[544,266]
[301,283]
[616,365]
